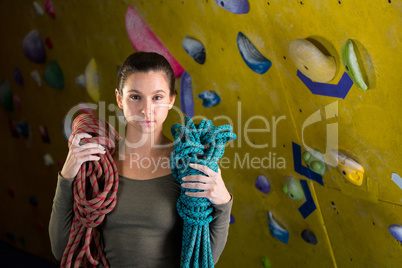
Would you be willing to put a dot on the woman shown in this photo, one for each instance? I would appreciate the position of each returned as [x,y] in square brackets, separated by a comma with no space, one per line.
[144,229]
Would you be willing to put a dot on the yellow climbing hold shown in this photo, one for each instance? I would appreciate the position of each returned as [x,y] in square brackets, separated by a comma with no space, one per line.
[92,80]
[311,61]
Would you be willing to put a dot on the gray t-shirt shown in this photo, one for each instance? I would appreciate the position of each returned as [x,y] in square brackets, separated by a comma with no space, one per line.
[144,229]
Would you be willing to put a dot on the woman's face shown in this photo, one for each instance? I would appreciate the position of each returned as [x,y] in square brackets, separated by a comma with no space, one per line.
[145,101]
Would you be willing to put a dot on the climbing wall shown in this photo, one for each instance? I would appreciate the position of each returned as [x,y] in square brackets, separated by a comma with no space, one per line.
[294,78]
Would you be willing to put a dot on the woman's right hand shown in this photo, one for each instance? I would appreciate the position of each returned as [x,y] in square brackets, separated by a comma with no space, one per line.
[79,154]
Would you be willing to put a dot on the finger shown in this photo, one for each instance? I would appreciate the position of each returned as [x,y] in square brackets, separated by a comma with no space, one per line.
[77,138]
[199,178]
[87,152]
[199,186]
[91,145]
[197,194]
[204,169]
[90,158]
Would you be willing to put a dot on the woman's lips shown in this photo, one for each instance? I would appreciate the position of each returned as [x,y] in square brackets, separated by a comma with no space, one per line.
[146,123]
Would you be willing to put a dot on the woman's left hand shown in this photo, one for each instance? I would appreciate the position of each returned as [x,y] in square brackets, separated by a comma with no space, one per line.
[212,184]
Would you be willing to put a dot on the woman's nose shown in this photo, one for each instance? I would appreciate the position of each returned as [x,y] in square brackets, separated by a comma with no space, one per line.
[147,107]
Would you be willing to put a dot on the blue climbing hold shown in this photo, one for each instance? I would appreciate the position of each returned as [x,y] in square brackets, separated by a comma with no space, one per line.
[396,231]
[232,219]
[235,6]
[202,144]
[33,201]
[276,230]
[209,98]
[251,56]
[22,128]
[33,47]
[194,48]
[18,77]
[186,95]
[262,184]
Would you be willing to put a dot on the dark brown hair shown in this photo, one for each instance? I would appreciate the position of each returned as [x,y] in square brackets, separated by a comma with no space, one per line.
[143,62]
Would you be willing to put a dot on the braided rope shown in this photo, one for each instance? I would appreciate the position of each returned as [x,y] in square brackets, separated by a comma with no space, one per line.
[95,191]
[202,144]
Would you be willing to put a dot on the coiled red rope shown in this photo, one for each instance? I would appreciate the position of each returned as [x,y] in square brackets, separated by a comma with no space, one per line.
[95,191]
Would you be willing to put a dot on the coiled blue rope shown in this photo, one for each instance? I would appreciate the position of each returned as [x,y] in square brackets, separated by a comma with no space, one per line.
[202,144]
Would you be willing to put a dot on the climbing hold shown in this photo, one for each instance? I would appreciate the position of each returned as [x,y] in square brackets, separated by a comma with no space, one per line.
[44,135]
[18,77]
[80,80]
[251,56]
[23,128]
[311,61]
[143,39]
[293,189]
[209,98]
[350,169]
[276,230]
[265,262]
[13,128]
[6,96]
[351,63]
[38,8]
[235,6]
[262,184]
[309,237]
[11,192]
[194,48]
[36,77]
[314,161]
[48,6]
[186,95]
[10,236]
[17,102]
[397,179]
[33,47]
[92,80]
[48,42]
[48,159]
[53,75]
[33,201]
[232,219]
[396,231]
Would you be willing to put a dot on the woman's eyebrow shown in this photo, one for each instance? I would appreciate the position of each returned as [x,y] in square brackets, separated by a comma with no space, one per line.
[139,92]
[135,90]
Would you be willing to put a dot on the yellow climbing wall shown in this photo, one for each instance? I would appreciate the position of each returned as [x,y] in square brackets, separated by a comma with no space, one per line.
[350,222]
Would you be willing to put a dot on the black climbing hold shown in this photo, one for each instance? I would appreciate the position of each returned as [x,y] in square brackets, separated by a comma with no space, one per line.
[309,237]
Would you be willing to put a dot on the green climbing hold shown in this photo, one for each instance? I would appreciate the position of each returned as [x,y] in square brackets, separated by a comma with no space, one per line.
[351,63]
[306,156]
[6,96]
[315,162]
[293,189]
[265,262]
[53,75]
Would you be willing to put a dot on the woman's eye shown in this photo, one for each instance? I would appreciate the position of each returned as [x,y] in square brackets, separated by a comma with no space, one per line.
[135,97]
[158,97]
